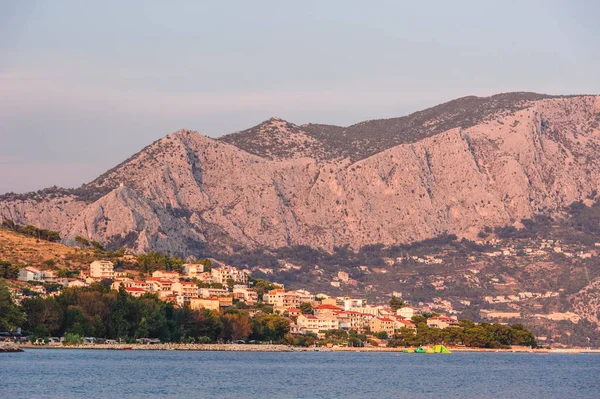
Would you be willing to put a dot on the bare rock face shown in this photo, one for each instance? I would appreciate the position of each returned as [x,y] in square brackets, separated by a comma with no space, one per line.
[455,168]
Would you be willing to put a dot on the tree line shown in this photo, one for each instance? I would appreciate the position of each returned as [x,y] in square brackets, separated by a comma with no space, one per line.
[97,312]
[483,335]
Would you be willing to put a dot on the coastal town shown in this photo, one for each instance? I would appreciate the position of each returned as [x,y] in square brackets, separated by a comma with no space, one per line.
[219,287]
[212,287]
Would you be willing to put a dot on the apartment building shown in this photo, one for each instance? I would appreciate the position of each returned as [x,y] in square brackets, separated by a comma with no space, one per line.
[223,274]
[312,323]
[186,289]
[102,270]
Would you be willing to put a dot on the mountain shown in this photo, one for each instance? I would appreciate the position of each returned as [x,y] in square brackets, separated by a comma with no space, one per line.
[454,168]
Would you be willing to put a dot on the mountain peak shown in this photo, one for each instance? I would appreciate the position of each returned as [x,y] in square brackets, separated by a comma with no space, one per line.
[276,138]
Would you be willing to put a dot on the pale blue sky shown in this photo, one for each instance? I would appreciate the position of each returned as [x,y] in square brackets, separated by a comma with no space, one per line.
[85,84]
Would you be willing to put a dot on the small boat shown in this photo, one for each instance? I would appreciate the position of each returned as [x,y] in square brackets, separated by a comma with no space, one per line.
[127,348]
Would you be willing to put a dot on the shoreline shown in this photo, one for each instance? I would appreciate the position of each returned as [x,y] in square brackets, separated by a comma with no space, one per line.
[285,348]
[170,346]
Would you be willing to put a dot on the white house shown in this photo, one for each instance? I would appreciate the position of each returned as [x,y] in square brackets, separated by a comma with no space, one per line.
[30,274]
[407,312]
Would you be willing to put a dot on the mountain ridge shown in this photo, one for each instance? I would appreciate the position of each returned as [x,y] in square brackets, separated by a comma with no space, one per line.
[496,160]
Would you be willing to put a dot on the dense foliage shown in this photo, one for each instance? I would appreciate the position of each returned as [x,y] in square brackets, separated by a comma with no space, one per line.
[8,270]
[97,312]
[483,335]
[11,316]
[153,261]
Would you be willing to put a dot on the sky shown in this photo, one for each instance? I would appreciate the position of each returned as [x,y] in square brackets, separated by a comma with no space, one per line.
[85,84]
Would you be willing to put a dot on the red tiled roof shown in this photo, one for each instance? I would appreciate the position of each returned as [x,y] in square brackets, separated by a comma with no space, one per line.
[134,289]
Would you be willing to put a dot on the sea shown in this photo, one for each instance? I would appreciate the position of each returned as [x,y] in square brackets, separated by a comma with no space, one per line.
[78,373]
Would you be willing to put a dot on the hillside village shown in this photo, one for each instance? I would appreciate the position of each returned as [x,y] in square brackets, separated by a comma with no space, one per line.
[215,288]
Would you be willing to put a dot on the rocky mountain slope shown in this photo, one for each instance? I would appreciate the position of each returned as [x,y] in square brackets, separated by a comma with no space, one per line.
[455,168]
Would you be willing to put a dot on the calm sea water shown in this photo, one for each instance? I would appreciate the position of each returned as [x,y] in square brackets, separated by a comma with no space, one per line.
[40,373]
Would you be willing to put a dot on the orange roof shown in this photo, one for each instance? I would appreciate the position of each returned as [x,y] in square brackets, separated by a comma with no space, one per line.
[134,289]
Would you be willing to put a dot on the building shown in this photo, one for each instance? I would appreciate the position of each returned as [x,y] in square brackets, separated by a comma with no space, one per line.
[281,299]
[312,323]
[223,274]
[400,323]
[192,270]
[225,301]
[407,312]
[349,320]
[212,292]
[205,277]
[165,275]
[130,284]
[378,324]
[49,276]
[186,289]
[136,292]
[350,303]
[373,311]
[329,301]
[204,303]
[159,285]
[30,274]
[293,312]
[442,322]
[274,297]
[328,310]
[245,294]
[73,282]
[102,270]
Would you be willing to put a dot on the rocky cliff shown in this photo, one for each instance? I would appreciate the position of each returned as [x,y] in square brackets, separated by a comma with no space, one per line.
[454,168]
